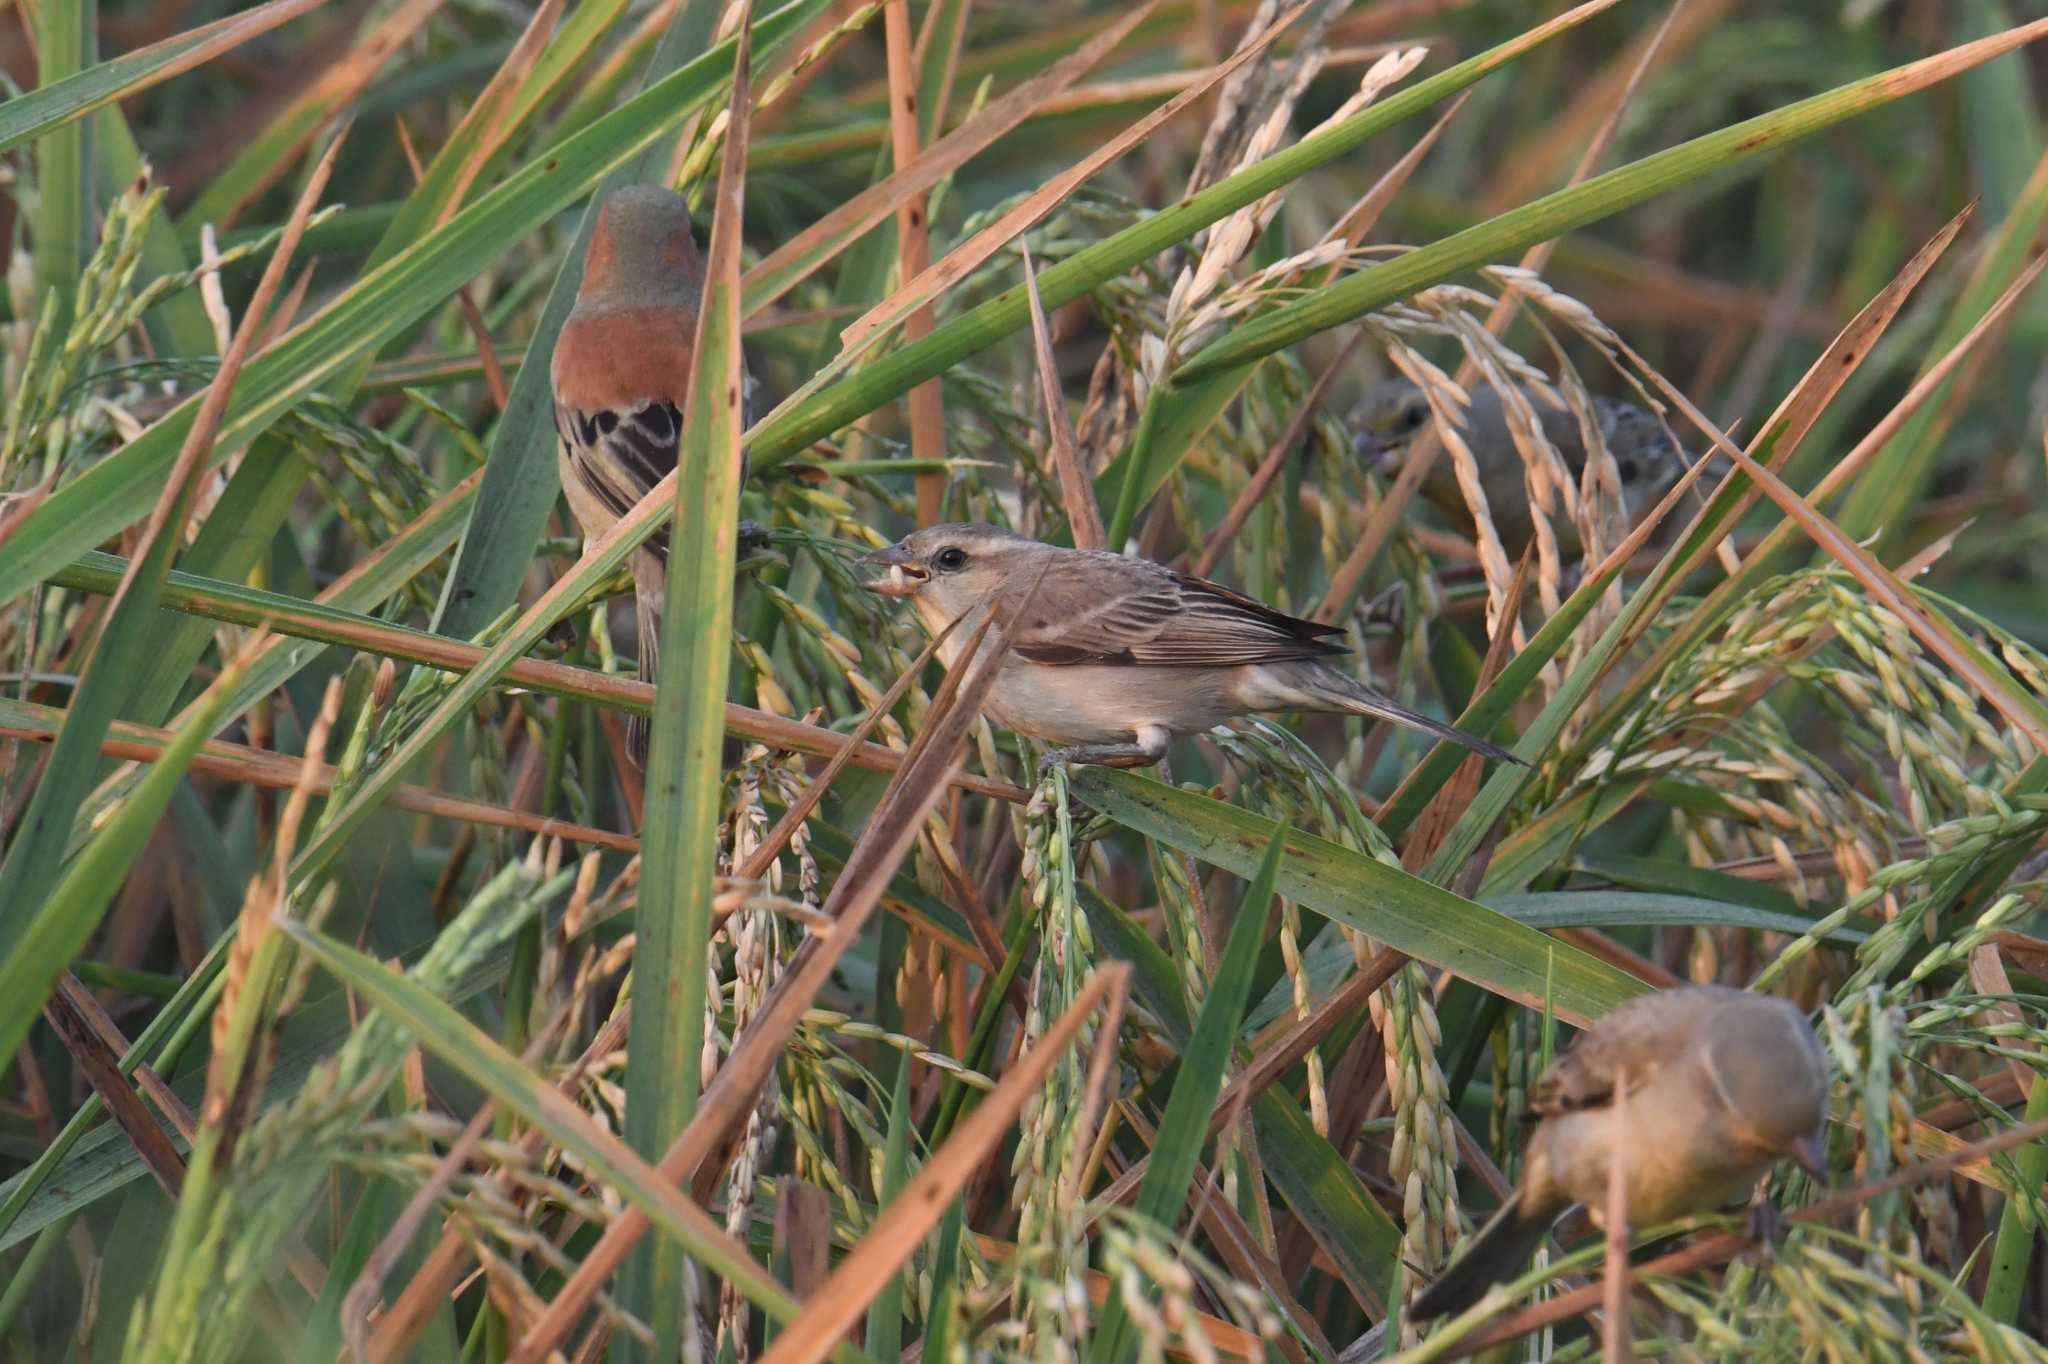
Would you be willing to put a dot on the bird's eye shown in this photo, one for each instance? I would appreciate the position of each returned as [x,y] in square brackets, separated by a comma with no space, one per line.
[1626,467]
[1412,418]
[951,559]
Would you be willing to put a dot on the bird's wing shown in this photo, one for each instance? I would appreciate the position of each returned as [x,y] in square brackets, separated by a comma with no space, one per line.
[1103,608]
[1631,1041]
[620,453]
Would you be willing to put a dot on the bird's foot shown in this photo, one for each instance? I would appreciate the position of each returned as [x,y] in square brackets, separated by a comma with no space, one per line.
[1149,746]
[1101,755]
[753,535]
[1766,1228]
[562,634]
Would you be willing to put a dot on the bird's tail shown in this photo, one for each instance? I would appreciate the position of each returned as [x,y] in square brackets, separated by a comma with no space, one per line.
[1502,1247]
[649,586]
[1325,688]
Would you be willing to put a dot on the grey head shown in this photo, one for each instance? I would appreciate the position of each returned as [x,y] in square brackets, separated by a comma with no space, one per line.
[1386,421]
[1763,1059]
[948,570]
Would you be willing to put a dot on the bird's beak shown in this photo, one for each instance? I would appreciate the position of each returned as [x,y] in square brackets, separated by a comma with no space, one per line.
[903,577]
[1812,1156]
[1375,454]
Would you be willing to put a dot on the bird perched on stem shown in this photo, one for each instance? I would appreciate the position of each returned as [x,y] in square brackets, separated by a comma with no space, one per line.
[621,369]
[1386,423]
[1698,1091]
[1112,658]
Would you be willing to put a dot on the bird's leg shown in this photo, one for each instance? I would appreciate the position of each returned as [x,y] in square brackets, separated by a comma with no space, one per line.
[1150,747]
[1766,1223]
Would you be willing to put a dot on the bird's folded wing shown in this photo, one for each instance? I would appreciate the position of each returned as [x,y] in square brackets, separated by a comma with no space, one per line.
[1630,1043]
[1108,609]
[619,454]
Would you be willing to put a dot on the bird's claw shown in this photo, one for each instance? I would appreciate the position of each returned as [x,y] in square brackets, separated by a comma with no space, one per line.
[1766,1228]
[752,535]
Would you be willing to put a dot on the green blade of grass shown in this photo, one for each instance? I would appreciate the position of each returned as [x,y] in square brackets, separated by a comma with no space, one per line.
[1183,1127]
[65,192]
[57,102]
[1602,196]
[1405,912]
[817,410]
[521,480]
[1321,1190]
[2012,1254]
[680,824]
[63,921]
[884,1337]
[436,1025]
[381,303]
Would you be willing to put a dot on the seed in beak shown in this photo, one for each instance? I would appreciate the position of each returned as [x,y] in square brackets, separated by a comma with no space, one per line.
[902,580]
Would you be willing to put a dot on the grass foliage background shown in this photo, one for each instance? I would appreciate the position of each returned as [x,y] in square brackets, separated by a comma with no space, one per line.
[340,1017]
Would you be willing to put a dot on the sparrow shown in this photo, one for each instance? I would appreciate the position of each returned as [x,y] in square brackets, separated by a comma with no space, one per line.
[1112,658]
[620,370]
[1700,1090]
[1393,414]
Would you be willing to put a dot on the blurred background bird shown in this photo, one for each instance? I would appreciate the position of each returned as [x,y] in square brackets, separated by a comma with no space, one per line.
[1113,658]
[620,372]
[1386,423]
[1698,1090]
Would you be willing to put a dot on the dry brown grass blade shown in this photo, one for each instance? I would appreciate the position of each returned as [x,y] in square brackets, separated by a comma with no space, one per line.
[1084,517]
[214,39]
[1263,478]
[465,297]
[1448,805]
[101,1067]
[368,1287]
[337,88]
[913,253]
[174,506]
[967,257]
[903,1225]
[275,772]
[795,259]
[1927,386]
[1934,631]
[1718,1249]
[1274,1059]
[144,1076]
[1614,1281]
[493,106]
[1422,455]
[1522,176]
[1364,215]
[442,1270]
[911,796]
[800,809]
[586,684]
[1988,975]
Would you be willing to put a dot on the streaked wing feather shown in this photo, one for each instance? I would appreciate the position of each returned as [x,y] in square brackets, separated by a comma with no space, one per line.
[1108,609]
[619,456]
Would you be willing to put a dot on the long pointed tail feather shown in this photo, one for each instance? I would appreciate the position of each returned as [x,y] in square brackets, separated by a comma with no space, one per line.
[1499,1251]
[647,616]
[1329,685]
